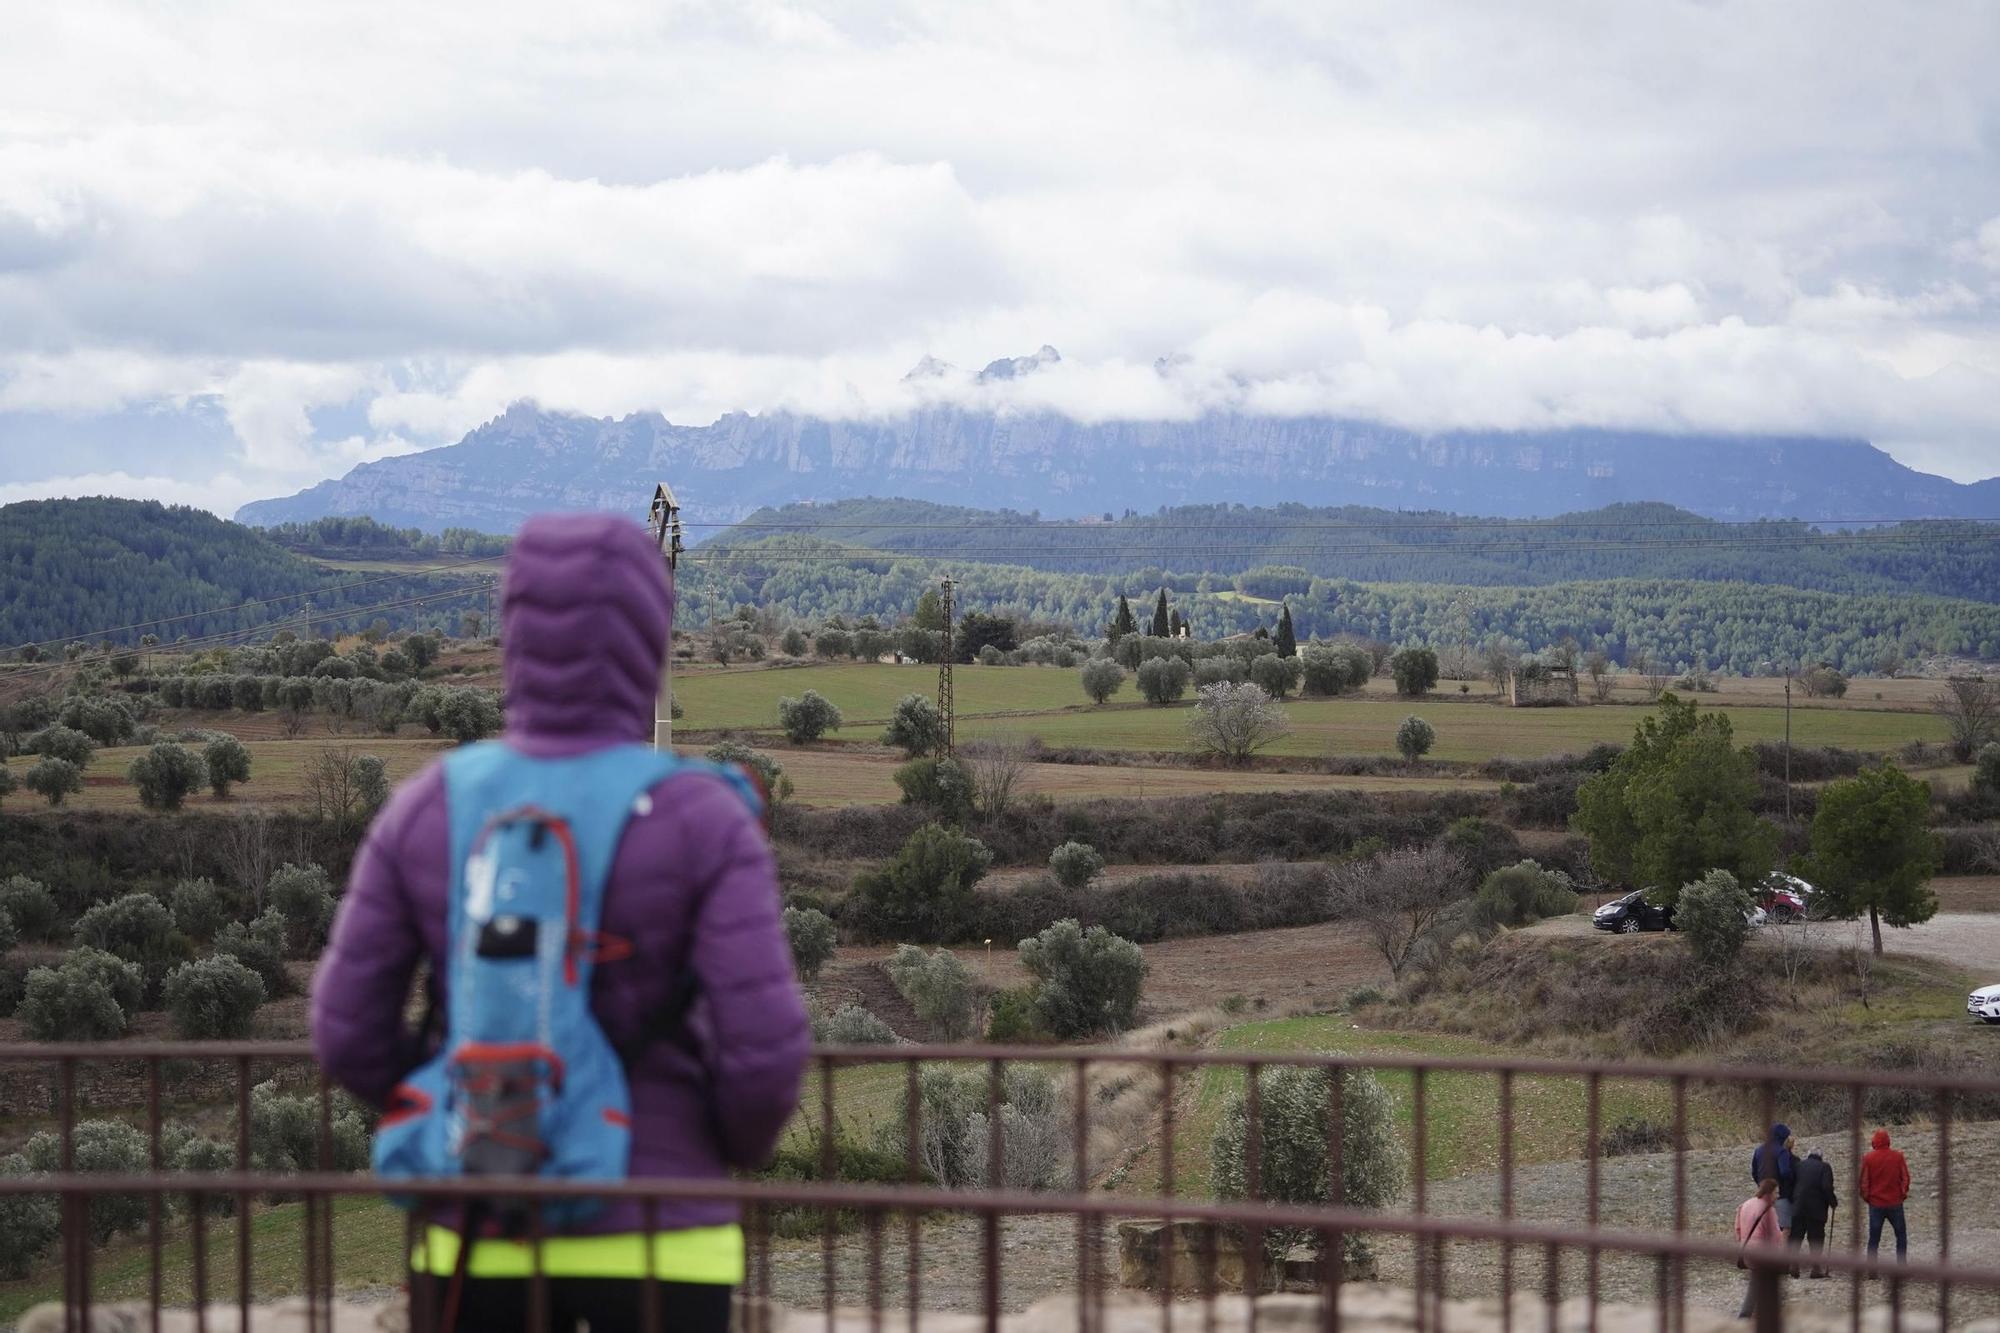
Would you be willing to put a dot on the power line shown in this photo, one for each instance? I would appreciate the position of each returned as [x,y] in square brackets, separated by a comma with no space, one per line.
[1446,524]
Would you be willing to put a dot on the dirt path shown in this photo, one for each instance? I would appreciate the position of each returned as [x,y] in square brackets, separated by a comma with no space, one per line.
[1970,940]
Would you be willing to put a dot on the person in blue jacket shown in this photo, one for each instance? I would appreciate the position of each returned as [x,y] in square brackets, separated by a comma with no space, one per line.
[1773,1160]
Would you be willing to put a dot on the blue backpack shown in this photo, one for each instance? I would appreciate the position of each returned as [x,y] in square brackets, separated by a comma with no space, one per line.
[526,1082]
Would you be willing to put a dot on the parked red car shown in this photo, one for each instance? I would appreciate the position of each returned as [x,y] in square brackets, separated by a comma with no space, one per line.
[1784,897]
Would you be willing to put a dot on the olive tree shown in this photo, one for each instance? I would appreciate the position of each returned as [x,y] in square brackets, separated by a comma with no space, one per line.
[808,717]
[916,727]
[1415,737]
[1415,671]
[213,998]
[1102,678]
[167,775]
[1163,679]
[1086,981]
[938,986]
[54,779]
[1075,864]
[228,761]
[813,939]
[1713,916]
[302,895]
[1294,1110]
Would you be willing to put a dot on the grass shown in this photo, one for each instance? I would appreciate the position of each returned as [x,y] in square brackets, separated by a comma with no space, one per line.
[1046,702]
[367,1245]
[1462,1110]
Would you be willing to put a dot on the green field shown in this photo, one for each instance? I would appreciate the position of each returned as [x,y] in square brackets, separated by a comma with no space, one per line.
[1046,702]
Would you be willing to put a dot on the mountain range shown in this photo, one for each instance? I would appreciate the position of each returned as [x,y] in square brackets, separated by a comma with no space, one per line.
[529,459]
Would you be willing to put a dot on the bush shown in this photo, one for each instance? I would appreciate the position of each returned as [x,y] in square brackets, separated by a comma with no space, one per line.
[228,761]
[1087,980]
[1986,769]
[768,771]
[99,1147]
[1636,1134]
[813,940]
[1415,737]
[1415,671]
[200,908]
[13,983]
[212,998]
[1522,893]
[794,643]
[139,929]
[851,1025]
[916,727]
[925,893]
[53,779]
[64,743]
[86,997]
[196,1155]
[1163,679]
[284,1132]
[1010,1017]
[1037,1147]
[303,897]
[808,718]
[29,1223]
[940,785]
[938,987]
[1293,1105]
[1711,915]
[1484,845]
[31,906]
[1276,676]
[259,946]
[1102,678]
[1075,864]
[167,775]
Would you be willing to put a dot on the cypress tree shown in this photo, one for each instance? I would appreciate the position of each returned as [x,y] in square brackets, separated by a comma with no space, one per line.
[1122,623]
[1288,644]
[1161,626]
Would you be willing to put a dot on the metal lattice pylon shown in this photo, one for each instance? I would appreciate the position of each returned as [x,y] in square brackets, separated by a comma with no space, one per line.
[664,520]
[947,726]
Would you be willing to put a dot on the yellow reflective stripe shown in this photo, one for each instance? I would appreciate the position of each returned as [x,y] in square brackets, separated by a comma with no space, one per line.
[694,1254]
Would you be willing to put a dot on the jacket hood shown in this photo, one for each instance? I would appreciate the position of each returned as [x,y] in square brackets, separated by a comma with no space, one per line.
[586,607]
[1779,1133]
[1881,1139]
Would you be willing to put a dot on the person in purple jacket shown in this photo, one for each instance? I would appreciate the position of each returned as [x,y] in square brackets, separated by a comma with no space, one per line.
[585,614]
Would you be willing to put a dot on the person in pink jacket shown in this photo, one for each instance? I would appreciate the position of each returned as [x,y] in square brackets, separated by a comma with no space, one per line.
[1757,1224]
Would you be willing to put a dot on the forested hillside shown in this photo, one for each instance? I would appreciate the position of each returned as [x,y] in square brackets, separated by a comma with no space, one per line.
[1950,558]
[70,567]
[1724,626]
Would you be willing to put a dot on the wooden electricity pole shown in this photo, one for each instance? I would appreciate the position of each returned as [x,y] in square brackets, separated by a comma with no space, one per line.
[947,727]
[664,520]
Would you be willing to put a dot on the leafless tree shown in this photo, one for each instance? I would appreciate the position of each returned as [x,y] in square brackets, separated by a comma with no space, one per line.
[997,766]
[1598,667]
[1407,902]
[245,849]
[1235,721]
[1656,673]
[330,789]
[293,719]
[1498,662]
[1970,707]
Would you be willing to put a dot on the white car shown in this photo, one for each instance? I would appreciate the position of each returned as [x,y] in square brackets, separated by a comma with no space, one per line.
[1984,1004]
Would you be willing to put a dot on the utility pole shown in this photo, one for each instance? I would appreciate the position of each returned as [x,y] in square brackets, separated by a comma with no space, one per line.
[1788,743]
[664,521]
[947,729]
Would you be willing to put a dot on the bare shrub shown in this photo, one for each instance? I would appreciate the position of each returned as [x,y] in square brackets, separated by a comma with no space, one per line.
[997,767]
[1407,902]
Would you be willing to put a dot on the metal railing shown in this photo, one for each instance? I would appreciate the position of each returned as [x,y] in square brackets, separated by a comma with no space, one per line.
[1532,1255]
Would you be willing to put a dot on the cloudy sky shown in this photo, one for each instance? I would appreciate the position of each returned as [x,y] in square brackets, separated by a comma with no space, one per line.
[243,246]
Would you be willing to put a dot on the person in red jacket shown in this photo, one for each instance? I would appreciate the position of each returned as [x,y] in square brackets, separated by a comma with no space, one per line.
[1885,1184]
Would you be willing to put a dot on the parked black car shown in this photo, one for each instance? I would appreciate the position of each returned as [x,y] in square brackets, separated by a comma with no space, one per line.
[1631,914]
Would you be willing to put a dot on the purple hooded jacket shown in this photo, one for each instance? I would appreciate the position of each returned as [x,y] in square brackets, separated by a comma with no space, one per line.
[584,620]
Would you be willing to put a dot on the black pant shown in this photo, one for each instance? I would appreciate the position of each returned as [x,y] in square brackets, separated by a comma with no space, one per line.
[1811,1231]
[607,1305]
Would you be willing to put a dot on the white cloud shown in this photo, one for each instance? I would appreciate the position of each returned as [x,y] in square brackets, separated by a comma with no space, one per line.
[366,230]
